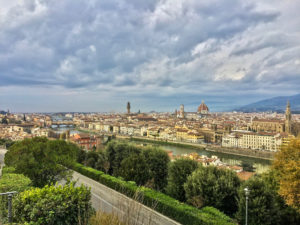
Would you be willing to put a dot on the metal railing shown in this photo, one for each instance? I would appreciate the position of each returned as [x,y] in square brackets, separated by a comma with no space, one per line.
[9,204]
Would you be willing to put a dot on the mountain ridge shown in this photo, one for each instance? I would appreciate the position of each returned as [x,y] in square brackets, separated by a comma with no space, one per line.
[276,104]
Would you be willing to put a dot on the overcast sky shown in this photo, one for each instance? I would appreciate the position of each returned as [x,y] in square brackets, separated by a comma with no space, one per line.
[95,55]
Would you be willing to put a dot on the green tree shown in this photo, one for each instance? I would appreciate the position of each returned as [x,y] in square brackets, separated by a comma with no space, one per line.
[210,186]
[102,162]
[135,168]
[158,161]
[287,165]
[42,160]
[178,172]
[265,205]
[247,167]
[116,153]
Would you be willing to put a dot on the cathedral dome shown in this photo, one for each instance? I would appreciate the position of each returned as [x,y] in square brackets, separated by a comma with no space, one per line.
[203,109]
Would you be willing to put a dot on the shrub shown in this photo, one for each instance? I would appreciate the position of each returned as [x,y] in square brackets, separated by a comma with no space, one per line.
[54,205]
[11,182]
[8,169]
[166,205]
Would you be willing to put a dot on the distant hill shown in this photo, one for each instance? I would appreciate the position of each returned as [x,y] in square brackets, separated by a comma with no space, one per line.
[277,104]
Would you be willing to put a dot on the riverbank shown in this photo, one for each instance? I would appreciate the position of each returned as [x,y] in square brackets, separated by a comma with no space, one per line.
[266,155]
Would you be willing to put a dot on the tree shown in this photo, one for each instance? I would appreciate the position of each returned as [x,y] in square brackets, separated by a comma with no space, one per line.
[178,172]
[210,186]
[247,166]
[135,168]
[41,160]
[287,165]
[102,162]
[158,161]
[116,152]
[265,205]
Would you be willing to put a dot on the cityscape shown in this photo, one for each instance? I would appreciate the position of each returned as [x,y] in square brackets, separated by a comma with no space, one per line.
[160,112]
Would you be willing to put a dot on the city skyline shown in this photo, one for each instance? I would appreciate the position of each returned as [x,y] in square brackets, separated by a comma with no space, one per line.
[94,56]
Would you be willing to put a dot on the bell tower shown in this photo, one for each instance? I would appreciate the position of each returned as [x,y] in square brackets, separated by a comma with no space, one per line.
[128,107]
[288,118]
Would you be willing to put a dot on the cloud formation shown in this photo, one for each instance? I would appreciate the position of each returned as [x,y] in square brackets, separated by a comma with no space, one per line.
[149,51]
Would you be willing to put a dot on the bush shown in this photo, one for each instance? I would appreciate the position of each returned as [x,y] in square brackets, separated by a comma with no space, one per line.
[11,182]
[166,205]
[54,205]
[8,169]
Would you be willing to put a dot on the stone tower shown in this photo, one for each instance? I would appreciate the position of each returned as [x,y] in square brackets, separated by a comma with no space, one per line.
[288,118]
[128,107]
[181,111]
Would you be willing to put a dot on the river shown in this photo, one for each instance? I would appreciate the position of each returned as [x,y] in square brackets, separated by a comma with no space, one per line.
[261,165]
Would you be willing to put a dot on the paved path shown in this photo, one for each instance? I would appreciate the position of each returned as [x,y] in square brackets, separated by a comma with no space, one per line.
[2,154]
[111,201]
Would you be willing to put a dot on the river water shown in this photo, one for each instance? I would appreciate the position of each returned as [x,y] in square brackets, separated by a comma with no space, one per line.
[261,165]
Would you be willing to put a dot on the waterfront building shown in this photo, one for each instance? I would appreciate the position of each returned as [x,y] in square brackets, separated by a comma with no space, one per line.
[253,140]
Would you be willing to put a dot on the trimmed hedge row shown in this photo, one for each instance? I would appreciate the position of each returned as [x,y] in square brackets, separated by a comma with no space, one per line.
[164,204]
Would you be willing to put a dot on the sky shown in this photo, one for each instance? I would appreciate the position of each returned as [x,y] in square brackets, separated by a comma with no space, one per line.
[96,55]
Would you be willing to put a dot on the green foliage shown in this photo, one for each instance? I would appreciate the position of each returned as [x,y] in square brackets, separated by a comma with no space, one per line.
[6,142]
[11,182]
[41,160]
[135,168]
[116,152]
[179,170]
[248,167]
[158,161]
[286,164]
[183,213]
[53,205]
[8,169]
[210,186]
[265,205]
[14,182]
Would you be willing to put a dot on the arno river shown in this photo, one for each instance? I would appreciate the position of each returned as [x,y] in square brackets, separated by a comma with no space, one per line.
[261,165]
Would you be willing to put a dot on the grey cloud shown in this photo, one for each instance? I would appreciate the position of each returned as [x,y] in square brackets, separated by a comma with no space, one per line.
[139,45]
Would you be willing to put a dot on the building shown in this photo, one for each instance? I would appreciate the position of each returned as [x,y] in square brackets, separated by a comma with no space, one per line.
[181,111]
[288,118]
[128,107]
[203,109]
[252,140]
[274,125]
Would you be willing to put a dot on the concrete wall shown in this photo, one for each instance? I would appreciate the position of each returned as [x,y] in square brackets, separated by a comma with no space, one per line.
[111,201]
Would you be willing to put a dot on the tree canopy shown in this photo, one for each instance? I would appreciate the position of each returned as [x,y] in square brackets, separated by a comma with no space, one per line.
[178,172]
[287,165]
[41,159]
[211,186]
[265,205]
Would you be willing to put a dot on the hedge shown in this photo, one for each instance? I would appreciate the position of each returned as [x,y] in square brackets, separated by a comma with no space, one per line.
[181,212]
[53,205]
